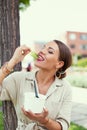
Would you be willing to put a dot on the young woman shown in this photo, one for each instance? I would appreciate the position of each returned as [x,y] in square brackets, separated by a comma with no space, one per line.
[52,61]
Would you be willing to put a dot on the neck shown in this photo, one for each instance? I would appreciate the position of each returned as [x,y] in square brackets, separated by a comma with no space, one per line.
[44,77]
[44,80]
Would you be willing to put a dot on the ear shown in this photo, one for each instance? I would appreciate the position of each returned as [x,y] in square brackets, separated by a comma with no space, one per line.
[59,64]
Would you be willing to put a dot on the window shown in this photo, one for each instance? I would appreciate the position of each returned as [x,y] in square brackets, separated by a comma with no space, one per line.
[83,47]
[72,46]
[83,36]
[72,36]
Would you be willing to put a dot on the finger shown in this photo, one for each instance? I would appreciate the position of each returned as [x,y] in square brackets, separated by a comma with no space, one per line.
[24,111]
[45,112]
[22,52]
[25,51]
[31,113]
[22,108]
[27,113]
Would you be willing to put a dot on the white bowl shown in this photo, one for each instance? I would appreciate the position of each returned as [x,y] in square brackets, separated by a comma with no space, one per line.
[33,103]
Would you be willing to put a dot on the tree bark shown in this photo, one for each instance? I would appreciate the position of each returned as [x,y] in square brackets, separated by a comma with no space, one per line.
[9,40]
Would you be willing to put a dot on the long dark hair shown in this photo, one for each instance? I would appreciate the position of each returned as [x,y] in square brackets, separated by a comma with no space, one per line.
[66,56]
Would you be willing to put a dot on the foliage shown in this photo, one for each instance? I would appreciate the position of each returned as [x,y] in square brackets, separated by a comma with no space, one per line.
[1,121]
[23,4]
[81,62]
[0,103]
[76,127]
[78,80]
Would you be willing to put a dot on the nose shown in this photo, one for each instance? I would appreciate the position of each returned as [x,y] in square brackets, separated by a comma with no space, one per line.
[44,51]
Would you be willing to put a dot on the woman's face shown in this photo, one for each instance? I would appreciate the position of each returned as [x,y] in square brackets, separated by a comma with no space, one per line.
[48,57]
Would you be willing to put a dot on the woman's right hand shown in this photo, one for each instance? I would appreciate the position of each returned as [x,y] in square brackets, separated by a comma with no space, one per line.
[19,55]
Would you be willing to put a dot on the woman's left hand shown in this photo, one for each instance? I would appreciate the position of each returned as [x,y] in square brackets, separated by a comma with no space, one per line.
[40,117]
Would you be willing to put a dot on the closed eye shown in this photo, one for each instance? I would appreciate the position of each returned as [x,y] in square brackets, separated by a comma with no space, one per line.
[50,51]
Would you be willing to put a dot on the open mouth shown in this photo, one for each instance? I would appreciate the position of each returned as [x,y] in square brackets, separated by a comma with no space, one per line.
[40,57]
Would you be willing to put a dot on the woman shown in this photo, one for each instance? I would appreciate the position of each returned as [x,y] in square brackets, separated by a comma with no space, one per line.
[52,61]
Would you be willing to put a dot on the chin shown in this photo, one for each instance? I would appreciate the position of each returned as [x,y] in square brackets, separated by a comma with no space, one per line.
[38,66]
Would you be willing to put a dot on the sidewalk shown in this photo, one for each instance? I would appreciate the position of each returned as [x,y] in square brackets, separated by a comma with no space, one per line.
[79,108]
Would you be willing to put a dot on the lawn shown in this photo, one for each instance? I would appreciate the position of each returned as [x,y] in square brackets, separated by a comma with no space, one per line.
[0,103]
[1,121]
[76,127]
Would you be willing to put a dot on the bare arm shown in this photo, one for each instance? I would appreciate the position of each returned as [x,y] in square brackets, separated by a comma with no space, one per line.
[53,125]
[17,57]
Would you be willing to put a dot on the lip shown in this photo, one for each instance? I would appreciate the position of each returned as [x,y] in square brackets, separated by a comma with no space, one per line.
[40,57]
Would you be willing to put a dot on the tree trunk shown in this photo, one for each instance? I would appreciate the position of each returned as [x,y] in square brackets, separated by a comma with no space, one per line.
[9,40]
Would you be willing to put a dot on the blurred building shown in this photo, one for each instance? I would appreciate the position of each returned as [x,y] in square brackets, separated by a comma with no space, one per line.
[77,41]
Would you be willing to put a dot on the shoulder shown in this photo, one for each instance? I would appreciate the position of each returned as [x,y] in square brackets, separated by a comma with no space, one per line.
[64,84]
[15,76]
[19,75]
[67,87]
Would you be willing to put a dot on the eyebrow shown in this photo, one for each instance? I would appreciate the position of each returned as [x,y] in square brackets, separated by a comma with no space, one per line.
[51,48]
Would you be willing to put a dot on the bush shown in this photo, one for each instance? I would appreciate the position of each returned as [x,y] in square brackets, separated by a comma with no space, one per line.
[78,80]
[76,127]
[81,62]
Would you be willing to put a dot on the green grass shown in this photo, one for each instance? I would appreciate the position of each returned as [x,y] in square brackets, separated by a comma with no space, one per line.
[1,121]
[74,126]
[0,103]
